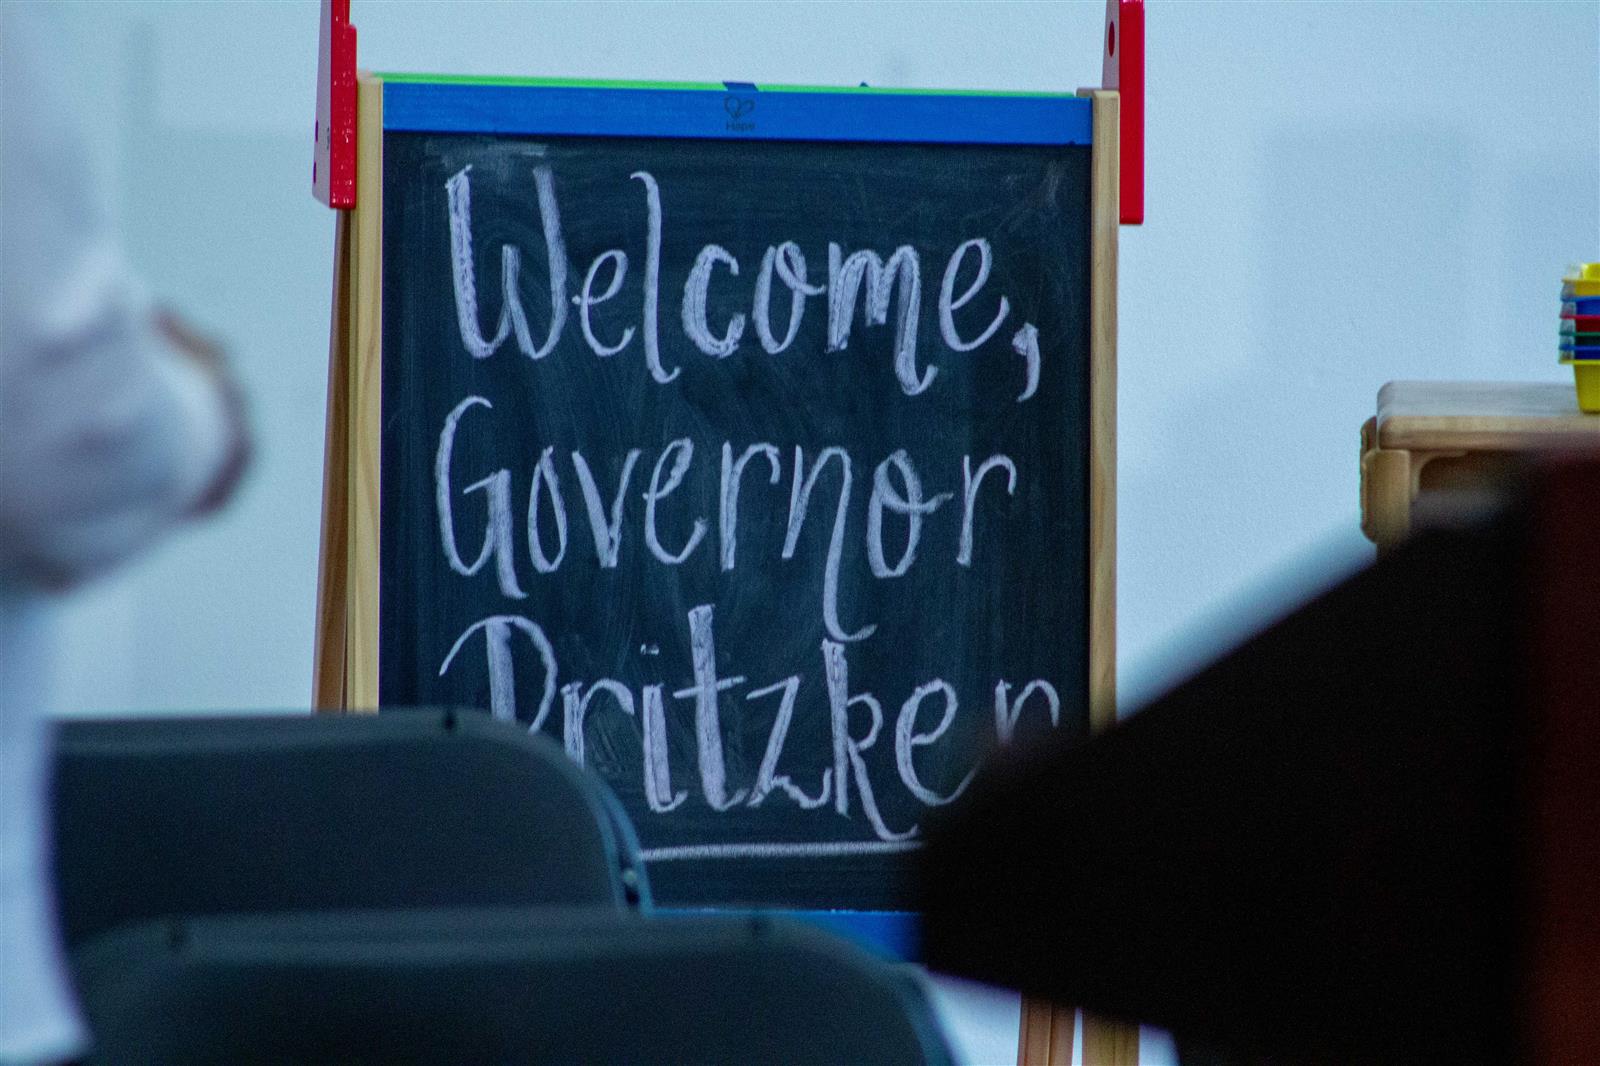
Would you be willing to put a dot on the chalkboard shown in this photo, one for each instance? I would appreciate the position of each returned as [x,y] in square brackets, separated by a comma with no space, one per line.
[757,470]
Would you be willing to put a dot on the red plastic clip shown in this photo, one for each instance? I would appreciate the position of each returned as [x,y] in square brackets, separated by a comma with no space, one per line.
[1124,71]
[333,169]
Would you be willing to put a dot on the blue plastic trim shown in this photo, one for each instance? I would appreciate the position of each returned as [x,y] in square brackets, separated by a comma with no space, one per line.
[540,110]
[892,935]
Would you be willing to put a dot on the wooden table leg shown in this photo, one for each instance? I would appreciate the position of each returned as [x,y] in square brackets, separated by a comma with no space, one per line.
[1386,491]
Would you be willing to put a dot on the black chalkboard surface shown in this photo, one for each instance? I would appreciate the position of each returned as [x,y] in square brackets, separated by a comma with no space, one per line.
[756,471]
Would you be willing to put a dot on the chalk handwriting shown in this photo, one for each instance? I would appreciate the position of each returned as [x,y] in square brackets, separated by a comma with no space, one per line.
[867,755]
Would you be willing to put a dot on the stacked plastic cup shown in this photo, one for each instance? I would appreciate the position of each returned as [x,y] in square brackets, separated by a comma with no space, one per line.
[1580,332]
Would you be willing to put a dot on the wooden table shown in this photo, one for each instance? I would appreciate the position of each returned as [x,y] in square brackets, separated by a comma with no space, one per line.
[1432,439]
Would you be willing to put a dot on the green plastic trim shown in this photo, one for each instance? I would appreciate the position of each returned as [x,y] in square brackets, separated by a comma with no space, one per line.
[703,86]
[565,83]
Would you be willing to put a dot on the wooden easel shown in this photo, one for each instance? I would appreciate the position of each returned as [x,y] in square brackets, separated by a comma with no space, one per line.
[345,659]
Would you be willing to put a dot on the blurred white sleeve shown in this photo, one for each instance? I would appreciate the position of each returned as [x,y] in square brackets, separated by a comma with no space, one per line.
[107,436]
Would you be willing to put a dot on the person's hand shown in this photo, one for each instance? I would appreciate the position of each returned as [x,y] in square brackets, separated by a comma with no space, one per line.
[210,357]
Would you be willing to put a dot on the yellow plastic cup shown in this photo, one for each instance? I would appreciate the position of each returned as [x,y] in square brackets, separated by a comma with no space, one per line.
[1586,378]
[1581,279]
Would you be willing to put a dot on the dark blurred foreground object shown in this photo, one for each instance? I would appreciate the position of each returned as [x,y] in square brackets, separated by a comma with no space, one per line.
[1372,833]
[469,987]
[241,815]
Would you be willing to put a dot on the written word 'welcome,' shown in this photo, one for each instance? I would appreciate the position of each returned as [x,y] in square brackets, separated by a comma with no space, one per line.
[581,509]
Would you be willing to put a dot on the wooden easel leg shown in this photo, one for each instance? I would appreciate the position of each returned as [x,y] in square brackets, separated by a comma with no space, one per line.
[1046,1034]
[328,665]
[1047,1031]
[1109,1043]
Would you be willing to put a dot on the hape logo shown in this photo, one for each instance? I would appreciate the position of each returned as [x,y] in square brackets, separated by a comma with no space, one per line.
[737,108]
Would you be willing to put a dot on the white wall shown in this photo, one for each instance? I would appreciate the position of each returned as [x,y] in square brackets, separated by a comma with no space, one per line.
[1338,194]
